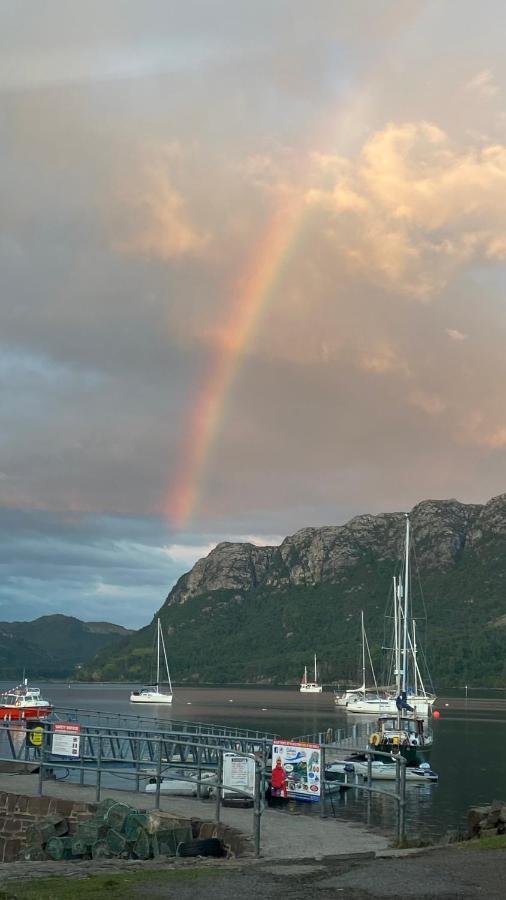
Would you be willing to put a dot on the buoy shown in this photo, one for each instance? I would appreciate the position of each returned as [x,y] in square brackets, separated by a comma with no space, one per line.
[436,714]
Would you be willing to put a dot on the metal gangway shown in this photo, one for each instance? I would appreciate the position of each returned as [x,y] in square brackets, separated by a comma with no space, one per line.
[139,749]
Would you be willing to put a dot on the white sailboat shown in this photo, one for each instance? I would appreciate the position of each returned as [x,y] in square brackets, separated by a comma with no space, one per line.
[370,701]
[405,731]
[310,687]
[405,666]
[154,694]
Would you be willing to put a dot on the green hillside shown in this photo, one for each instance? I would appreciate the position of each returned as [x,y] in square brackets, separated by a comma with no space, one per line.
[52,646]
[271,636]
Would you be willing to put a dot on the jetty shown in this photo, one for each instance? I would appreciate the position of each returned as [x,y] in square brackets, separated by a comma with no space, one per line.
[82,755]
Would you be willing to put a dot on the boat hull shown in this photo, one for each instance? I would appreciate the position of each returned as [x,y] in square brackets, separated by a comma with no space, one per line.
[151,697]
[310,689]
[18,713]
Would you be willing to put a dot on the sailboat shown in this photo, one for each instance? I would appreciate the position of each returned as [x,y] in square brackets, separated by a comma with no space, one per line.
[404,731]
[154,694]
[365,700]
[310,687]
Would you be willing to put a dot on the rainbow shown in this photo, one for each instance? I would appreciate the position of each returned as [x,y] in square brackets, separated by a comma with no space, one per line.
[257,287]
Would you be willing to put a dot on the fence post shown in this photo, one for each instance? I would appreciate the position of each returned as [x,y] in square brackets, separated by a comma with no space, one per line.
[259,771]
[219,780]
[402,803]
[158,775]
[45,736]
[199,773]
[99,768]
[323,811]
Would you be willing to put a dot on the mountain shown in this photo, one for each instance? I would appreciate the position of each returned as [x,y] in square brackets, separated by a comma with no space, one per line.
[52,646]
[257,614]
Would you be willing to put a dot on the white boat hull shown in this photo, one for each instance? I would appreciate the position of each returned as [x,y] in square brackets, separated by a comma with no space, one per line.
[381,771]
[310,688]
[150,697]
[178,787]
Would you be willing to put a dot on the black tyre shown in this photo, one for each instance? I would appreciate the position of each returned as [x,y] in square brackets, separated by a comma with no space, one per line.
[205,847]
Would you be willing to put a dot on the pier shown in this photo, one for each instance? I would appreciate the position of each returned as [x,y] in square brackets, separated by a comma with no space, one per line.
[119,754]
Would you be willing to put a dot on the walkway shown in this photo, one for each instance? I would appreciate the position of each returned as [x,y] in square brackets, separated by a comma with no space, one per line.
[283,836]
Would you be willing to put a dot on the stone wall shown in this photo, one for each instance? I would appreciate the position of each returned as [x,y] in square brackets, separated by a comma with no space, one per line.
[18,812]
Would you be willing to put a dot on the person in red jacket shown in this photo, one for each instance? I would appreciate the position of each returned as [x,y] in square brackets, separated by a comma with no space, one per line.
[278,780]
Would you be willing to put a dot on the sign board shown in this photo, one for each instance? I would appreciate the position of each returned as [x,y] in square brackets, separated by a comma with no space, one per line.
[34,733]
[238,772]
[66,740]
[301,765]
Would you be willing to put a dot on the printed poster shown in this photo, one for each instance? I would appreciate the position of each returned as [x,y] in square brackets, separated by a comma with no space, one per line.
[238,772]
[297,766]
[66,740]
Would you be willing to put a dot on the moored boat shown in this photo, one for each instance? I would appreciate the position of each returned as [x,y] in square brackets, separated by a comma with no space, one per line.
[24,702]
[380,770]
[403,734]
[155,694]
[310,687]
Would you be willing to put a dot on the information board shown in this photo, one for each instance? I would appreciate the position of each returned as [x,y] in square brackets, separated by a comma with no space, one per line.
[66,740]
[296,770]
[238,772]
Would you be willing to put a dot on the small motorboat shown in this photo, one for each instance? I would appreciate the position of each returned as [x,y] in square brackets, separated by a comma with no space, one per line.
[380,770]
[182,784]
[24,702]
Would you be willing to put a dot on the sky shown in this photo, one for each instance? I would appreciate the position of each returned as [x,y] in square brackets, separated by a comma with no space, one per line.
[253,274]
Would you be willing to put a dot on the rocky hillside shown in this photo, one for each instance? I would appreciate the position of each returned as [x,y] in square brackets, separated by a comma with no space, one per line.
[52,646]
[247,613]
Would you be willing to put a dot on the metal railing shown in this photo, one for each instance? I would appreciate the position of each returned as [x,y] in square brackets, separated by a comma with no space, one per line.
[48,761]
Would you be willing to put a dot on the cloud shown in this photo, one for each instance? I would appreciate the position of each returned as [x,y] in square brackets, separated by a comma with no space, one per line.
[455,335]
[428,403]
[412,208]
[384,358]
[484,84]
[152,219]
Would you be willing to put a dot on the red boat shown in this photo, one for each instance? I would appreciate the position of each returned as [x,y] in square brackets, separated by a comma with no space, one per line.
[23,702]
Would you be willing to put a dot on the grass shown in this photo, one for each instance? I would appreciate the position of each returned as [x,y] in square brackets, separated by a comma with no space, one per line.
[100,887]
[494,842]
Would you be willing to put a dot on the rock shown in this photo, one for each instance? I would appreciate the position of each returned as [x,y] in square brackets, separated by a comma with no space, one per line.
[475,816]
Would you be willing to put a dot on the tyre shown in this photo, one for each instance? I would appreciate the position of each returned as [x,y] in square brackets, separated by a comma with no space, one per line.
[205,847]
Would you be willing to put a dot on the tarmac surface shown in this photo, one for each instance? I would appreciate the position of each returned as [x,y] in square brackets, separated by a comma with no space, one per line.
[450,873]
[283,836]
[302,857]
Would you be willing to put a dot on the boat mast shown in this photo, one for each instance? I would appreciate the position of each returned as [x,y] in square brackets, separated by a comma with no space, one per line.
[363,650]
[165,658]
[415,664]
[158,657]
[315,678]
[406,607]
[397,654]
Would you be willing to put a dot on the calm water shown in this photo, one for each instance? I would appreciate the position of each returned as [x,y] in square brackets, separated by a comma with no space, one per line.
[468,752]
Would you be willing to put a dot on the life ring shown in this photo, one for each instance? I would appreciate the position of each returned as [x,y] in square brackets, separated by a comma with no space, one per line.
[375,739]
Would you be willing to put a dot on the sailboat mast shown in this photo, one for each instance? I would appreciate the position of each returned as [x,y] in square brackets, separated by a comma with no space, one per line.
[415,664]
[397,661]
[158,657]
[315,678]
[406,608]
[363,649]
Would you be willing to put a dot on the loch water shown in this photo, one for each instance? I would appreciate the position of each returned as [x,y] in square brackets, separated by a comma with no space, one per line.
[468,752]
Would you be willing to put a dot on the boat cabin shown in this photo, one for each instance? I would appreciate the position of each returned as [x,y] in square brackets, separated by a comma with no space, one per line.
[401,730]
